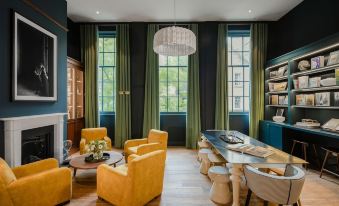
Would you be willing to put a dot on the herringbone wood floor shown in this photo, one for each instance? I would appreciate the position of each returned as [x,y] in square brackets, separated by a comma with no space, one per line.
[185,186]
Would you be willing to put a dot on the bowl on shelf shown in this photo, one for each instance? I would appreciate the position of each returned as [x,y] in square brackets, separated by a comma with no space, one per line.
[328,82]
[279,119]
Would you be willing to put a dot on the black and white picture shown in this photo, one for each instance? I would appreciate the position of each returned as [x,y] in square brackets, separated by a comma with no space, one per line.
[322,99]
[35,56]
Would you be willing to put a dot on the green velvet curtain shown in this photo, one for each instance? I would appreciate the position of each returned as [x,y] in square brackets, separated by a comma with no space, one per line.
[89,57]
[151,102]
[221,103]
[258,59]
[123,97]
[193,123]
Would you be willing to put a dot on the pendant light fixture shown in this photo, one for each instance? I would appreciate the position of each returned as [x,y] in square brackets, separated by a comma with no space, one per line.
[174,40]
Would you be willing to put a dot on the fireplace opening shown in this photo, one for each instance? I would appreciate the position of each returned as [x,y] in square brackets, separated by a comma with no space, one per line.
[37,144]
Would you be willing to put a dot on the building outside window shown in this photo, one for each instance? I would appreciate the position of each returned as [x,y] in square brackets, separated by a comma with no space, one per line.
[238,70]
[106,71]
[173,83]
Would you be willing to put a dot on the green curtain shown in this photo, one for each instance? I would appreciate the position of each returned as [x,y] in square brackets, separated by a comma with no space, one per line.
[151,102]
[221,103]
[89,38]
[123,97]
[258,59]
[193,124]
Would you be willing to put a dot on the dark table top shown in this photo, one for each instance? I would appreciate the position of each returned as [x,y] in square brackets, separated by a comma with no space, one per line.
[279,157]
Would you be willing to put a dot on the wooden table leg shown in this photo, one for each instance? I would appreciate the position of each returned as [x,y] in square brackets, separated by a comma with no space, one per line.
[236,179]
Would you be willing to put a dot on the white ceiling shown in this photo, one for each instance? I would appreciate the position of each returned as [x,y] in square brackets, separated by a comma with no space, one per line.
[186,10]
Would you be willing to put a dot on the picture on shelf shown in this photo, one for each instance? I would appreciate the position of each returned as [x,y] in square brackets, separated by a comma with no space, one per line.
[303,82]
[317,62]
[322,99]
[278,87]
[300,100]
[314,82]
[280,112]
[336,99]
[309,99]
[286,100]
[273,74]
[274,99]
[334,58]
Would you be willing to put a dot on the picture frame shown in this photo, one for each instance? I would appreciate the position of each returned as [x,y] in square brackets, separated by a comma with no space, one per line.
[314,82]
[322,99]
[34,61]
[279,112]
[309,99]
[303,82]
[333,58]
[300,100]
[317,62]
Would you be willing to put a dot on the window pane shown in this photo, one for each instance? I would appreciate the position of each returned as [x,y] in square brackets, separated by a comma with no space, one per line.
[173,61]
[229,74]
[238,89]
[247,89]
[183,60]
[229,58]
[230,89]
[108,45]
[101,48]
[162,60]
[246,43]
[183,89]
[172,89]
[172,104]
[107,75]
[230,105]
[182,104]
[109,59]
[107,89]
[246,58]
[173,74]
[236,58]
[246,104]
[163,104]
[246,74]
[183,73]
[163,89]
[107,104]
[163,74]
[237,104]
[236,43]
[238,74]
[101,59]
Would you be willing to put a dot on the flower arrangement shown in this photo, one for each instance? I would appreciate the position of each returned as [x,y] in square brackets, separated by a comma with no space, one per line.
[96,148]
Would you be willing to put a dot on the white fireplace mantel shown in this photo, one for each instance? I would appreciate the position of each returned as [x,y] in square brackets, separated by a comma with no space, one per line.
[14,126]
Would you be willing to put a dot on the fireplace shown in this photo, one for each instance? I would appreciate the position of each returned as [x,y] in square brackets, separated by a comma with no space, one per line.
[37,144]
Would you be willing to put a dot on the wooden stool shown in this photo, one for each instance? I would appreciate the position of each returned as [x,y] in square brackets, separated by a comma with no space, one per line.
[333,152]
[203,144]
[304,146]
[220,192]
[216,159]
[205,163]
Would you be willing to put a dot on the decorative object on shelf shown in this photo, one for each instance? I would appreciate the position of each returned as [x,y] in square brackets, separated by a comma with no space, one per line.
[281,71]
[283,100]
[174,40]
[274,99]
[314,82]
[296,83]
[279,112]
[281,86]
[337,76]
[273,74]
[300,100]
[279,119]
[309,99]
[304,65]
[303,82]
[271,87]
[67,148]
[328,82]
[308,123]
[336,99]
[334,58]
[317,62]
[322,99]
[96,148]
[332,125]
[34,62]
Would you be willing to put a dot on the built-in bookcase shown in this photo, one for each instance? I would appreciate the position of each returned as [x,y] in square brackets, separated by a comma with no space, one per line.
[292,111]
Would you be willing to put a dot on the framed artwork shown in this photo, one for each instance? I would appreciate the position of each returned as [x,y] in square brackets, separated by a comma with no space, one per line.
[34,62]
[279,112]
[334,58]
[322,99]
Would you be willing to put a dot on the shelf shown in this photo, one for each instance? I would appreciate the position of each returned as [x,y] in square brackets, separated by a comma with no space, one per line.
[315,71]
[316,89]
[315,107]
[276,66]
[271,105]
[280,92]
[276,79]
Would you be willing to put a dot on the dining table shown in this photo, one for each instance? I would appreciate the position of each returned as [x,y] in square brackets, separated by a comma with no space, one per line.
[236,160]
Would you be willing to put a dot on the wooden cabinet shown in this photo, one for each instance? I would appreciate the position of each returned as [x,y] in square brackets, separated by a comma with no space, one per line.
[75,100]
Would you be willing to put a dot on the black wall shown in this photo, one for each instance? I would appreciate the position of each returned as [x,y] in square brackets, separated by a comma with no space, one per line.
[310,21]
[73,40]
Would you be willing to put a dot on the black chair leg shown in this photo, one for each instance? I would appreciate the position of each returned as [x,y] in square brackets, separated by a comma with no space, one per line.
[265,203]
[248,198]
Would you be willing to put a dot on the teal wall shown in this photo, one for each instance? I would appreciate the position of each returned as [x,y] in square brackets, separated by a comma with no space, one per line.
[57,9]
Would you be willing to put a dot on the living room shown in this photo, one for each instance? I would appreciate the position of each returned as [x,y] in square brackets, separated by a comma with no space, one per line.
[169,102]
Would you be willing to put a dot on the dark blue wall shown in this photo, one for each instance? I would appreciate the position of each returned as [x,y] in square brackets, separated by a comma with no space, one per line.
[56,10]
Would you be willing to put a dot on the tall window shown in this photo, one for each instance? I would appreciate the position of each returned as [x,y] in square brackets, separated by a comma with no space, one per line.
[173,83]
[106,71]
[238,70]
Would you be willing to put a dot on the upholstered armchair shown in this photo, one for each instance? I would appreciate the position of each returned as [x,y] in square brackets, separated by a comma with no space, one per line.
[156,140]
[135,183]
[36,184]
[90,134]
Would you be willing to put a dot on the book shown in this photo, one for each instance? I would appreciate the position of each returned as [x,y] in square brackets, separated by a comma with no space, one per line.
[281,100]
[309,99]
[303,82]
[251,150]
[317,62]
[274,99]
[314,82]
[300,100]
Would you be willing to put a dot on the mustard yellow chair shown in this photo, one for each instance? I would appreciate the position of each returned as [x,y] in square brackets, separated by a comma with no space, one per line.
[156,140]
[40,183]
[135,183]
[90,134]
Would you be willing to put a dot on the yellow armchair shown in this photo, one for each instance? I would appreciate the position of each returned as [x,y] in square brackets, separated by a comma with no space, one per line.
[36,184]
[156,140]
[90,134]
[135,183]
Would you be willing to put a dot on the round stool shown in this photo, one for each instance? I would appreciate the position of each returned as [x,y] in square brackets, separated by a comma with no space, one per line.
[205,163]
[213,171]
[203,144]
[220,191]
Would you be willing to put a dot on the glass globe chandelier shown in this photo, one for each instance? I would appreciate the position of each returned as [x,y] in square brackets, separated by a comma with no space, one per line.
[174,41]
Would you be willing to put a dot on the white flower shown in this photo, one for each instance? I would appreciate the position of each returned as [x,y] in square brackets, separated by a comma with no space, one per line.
[100,146]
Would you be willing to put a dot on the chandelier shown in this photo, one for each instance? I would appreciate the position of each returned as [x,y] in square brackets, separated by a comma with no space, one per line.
[174,41]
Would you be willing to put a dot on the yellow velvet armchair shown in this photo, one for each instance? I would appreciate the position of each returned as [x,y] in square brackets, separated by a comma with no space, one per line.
[156,140]
[90,134]
[135,183]
[39,183]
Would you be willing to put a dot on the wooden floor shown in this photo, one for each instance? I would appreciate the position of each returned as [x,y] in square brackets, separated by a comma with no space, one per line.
[185,186]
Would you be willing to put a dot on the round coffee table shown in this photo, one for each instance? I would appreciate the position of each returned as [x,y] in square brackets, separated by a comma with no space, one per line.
[80,163]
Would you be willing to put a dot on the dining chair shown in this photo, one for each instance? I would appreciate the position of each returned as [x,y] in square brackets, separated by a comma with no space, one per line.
[282,190]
